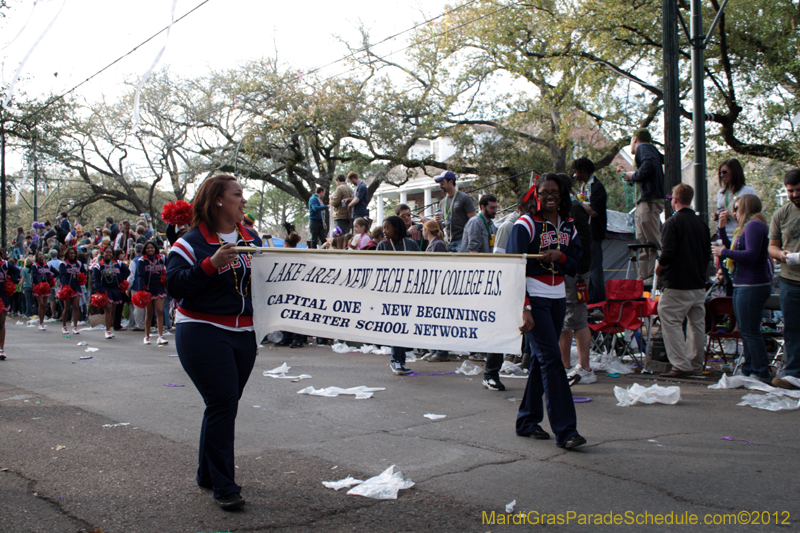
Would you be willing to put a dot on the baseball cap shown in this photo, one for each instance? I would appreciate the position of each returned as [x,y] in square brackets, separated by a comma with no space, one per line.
[446,175]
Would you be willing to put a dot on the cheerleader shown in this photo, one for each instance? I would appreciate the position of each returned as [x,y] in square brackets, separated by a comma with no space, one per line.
[9,277]
[151,274]
[72,274]
[43,278]
[109,278]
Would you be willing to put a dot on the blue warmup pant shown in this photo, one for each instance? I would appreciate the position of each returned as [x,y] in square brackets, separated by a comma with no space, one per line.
[219,362]
[547,375]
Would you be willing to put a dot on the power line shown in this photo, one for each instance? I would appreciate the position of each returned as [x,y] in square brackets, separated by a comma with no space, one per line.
[120,58]
[398,34]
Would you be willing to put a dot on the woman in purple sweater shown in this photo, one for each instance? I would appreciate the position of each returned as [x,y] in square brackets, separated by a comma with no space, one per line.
[750,267]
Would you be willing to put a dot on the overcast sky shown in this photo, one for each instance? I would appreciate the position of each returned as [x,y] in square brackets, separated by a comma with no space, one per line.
[87,35]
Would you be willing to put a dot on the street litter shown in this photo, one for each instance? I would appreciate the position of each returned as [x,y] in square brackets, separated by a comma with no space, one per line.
[383,350]
[653,394]
[173,355]
[116,425]
[581,399]
[368,348]
[413,374]
[93,329]
[345,483]
[384,486]
[340,347]
[280,373]
[510,506]
[734,382]
[60,447]
[90,349]
[510,368]
[275,337]
[770,402]
[468,369]
[85,357]
[742,440]
[361,393]
[82,343]
[434,417]
[173,385]
[609,363]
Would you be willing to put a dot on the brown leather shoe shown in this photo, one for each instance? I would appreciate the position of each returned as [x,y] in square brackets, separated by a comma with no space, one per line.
[675,373]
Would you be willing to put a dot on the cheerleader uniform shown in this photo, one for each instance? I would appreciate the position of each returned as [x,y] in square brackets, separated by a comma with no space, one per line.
[7,271]
[107,277]
[546,296]
[215,340]
[43,273]
[68,275]
[150,273]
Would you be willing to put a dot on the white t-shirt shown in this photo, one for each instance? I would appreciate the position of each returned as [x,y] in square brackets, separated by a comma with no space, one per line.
[725,201]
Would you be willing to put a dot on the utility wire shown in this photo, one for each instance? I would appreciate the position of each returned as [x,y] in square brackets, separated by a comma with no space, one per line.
[120,58]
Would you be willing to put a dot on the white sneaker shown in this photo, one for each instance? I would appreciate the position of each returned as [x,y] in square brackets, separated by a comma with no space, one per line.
[109,335]
[587,376]
[162,341]
[75,331]
[147,340]
[65,331]
[42,327]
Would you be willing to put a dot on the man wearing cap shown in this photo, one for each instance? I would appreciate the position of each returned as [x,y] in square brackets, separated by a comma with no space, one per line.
[456,208]
[340,200]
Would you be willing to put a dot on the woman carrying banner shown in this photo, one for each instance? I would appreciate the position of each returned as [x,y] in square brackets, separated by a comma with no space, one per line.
[394,229]
[547,230]
[214,336]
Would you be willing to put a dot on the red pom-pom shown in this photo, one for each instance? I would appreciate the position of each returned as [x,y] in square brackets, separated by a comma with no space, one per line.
[41,289]
[163,279]
[65,293]
[51,282]
[10,287]
[178,213]
[81,279]
[123,285]
[99,300]
[141,299]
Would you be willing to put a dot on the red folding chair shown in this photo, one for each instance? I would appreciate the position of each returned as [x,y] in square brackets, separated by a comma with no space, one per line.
[625,309]
[722,305]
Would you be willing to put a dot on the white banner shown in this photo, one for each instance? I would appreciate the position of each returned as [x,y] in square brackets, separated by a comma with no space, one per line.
[470,302]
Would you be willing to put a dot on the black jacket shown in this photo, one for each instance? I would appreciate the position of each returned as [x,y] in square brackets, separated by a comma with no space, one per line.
[685,251]
[649,172]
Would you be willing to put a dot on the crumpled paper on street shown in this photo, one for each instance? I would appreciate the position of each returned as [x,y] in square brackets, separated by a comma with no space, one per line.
[770,402]
[434,417]
[368,348]
[361,393]
[383,350]
[609,364]
[653,394]
[280,373]
[510,368]
[384,486]
[734,382]
[345,483]
[468,369]
[776,399]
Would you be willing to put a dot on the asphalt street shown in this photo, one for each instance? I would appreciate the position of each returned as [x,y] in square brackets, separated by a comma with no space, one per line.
[110,443]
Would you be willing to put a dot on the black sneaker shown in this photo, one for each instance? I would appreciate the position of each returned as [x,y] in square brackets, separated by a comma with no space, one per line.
[493,384]
[538,434]
[399,368]
[573,442]
[297,345]
[573,379]
[231,502]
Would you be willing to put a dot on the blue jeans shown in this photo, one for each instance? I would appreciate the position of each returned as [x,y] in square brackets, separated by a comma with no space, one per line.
[547,375]
[597,278]
[748,303]
[30,302]
[790,307]
[454,246]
